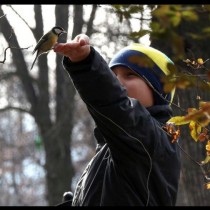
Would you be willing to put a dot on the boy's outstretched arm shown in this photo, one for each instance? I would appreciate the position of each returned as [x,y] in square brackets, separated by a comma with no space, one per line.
[76,50]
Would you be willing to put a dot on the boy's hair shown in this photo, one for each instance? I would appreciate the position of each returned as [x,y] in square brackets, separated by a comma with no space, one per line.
[151,64]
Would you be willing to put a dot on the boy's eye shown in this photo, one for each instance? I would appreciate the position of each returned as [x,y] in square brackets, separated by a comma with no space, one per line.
[132,74]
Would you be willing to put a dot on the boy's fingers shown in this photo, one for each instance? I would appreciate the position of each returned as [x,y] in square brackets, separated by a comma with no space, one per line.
[82,42]
[57,46]
[63,46]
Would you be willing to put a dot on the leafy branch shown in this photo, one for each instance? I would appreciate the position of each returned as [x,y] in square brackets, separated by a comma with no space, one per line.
[198,119]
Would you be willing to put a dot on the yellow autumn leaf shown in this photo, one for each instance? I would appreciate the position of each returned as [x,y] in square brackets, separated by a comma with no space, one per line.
[206,160]
[195,130]
[141,61]
[168,87]
[200,116]
[200,61]
[191,110]
[204,105]
[208,146]
[207,186]
[182,84]
[178,120]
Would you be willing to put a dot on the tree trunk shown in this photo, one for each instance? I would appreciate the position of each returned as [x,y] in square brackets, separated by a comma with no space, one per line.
[58,151]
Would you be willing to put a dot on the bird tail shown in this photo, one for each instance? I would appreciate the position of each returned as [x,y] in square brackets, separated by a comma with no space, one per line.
[34,61]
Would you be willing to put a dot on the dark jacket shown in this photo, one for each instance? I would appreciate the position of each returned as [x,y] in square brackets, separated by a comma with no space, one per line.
[136,164]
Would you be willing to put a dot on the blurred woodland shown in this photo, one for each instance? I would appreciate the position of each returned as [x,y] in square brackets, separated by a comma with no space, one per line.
[46,136]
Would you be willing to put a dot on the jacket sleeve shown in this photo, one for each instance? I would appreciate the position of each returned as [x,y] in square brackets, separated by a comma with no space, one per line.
[126,124]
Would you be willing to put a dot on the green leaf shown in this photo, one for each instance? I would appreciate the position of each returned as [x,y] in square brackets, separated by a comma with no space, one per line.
[175,20]
[189,15]
[206,30]
[38,143]
[140,33]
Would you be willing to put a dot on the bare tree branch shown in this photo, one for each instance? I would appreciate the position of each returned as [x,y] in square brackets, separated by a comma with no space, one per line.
[10,47]
[3,16]
[6,108]
[5,76]
[20,17]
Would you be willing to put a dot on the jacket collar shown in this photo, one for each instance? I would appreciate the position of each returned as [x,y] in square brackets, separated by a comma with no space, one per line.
[161,112]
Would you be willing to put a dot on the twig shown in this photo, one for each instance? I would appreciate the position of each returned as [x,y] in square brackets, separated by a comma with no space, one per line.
[14,108]
[10,47]
[3,15]
[5,52]
[20,16]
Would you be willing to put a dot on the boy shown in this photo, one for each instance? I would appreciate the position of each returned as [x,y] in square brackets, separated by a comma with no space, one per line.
[135,164]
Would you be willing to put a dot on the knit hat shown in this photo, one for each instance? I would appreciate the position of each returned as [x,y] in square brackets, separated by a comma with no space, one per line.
[151,64]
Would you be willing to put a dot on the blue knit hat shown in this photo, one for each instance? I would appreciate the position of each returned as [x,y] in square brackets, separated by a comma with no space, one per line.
[151,64]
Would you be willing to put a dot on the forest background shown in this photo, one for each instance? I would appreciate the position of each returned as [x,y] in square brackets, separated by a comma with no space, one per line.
[46,136]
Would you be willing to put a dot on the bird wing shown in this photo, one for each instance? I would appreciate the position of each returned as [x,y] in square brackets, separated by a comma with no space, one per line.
[43,39]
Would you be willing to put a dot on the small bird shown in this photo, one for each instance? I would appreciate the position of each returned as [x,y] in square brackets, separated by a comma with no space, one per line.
[47,41]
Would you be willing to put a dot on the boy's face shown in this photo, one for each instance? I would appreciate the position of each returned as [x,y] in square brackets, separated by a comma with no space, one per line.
[136,86]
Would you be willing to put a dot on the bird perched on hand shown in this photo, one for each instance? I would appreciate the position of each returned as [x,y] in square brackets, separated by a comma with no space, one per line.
[47,41]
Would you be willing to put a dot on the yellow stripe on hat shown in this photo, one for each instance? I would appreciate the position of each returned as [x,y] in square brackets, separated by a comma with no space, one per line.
[157,56]
[160,59]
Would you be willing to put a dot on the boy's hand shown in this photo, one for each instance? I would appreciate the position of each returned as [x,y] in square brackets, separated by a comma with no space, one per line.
[77,49]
